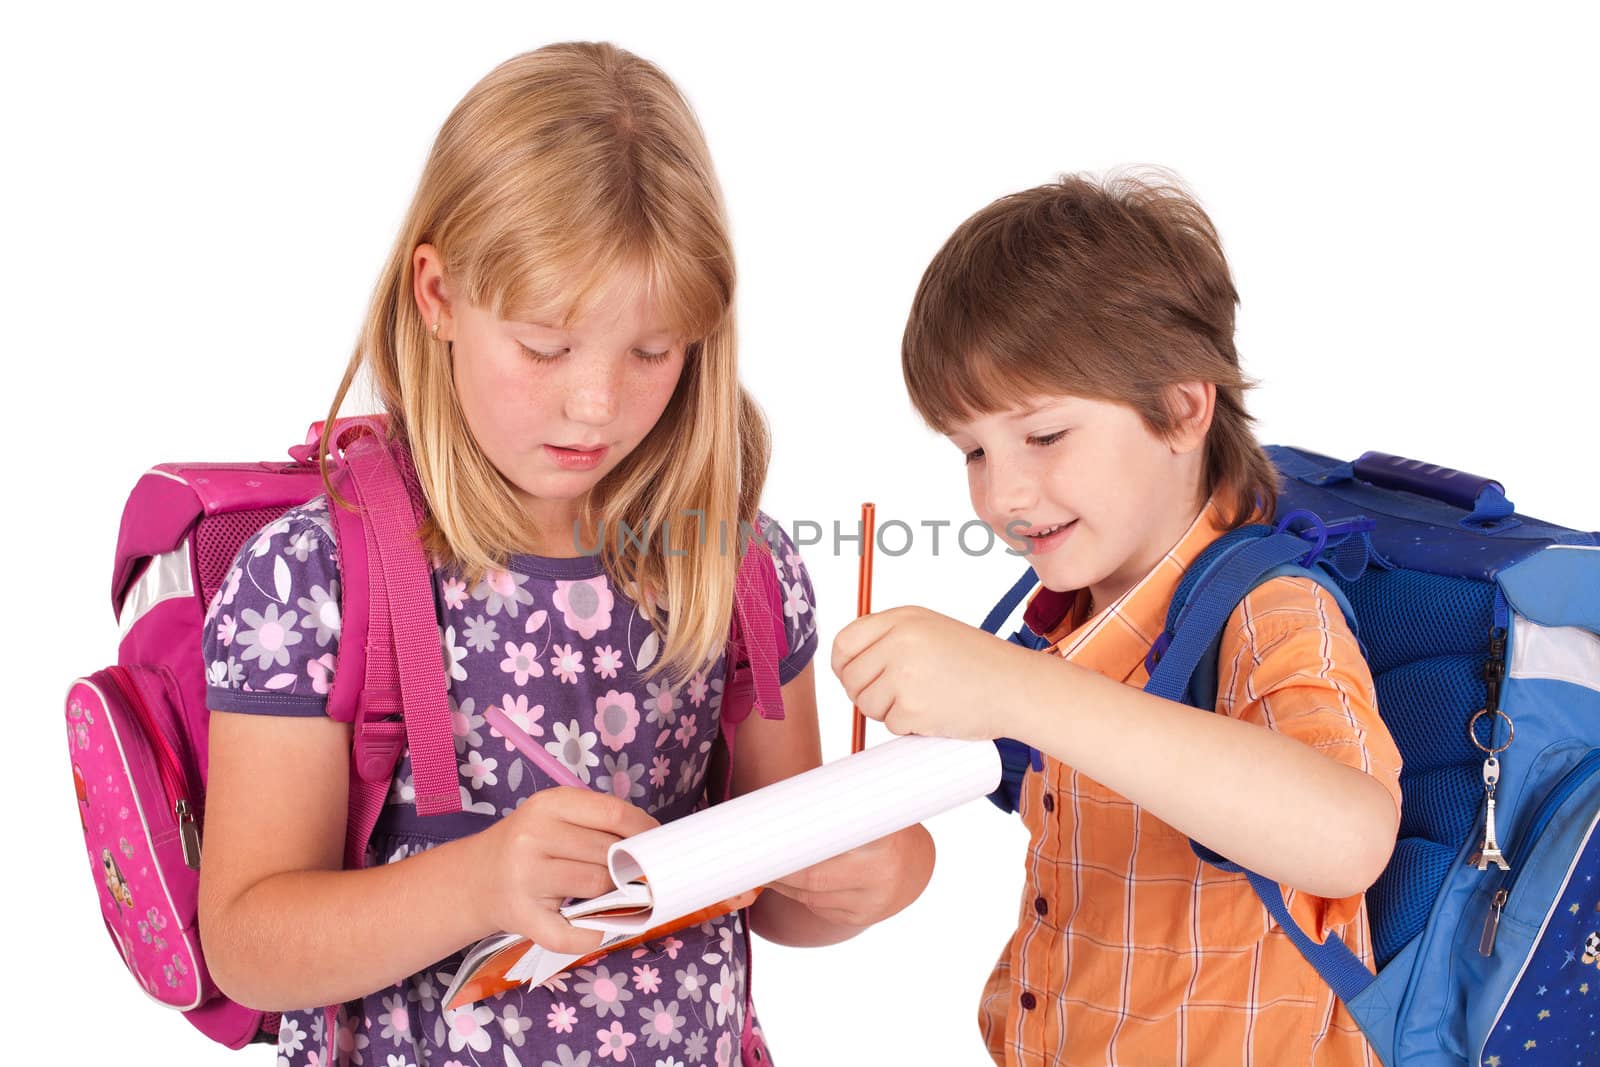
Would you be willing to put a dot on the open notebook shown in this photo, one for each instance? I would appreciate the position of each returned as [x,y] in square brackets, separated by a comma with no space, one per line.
[717,860]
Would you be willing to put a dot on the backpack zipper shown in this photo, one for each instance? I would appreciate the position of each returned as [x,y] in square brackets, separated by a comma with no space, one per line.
[170,768]
[1547,808]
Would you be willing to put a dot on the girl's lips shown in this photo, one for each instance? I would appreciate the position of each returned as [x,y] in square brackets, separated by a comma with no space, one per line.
[574,460]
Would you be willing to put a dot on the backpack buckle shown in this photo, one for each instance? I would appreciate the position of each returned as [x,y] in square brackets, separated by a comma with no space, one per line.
[377,749]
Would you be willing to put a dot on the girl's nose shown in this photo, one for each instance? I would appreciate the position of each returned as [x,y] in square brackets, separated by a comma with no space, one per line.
[592,397]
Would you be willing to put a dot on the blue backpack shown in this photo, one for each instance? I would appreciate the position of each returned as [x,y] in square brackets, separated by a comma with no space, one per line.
[1482,629]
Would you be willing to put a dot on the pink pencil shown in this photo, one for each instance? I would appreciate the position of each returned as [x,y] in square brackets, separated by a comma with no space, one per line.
[542,759]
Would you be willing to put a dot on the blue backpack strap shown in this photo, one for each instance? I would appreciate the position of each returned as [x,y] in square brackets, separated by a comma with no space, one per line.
[1183,667]
[1015,757]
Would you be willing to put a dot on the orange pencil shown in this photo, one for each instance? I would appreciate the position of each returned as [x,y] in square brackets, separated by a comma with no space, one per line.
[858,721]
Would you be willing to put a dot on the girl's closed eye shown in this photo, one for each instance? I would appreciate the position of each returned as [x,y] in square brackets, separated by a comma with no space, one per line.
[540,355]
[653,357]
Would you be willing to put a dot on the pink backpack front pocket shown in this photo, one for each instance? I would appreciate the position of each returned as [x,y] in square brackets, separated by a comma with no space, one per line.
[140,818]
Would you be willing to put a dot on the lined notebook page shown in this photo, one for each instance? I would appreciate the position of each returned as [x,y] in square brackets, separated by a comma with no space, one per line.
[751,840]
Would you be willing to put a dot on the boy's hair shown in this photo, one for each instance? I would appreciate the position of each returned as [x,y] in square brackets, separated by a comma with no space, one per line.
[561,169]
[1110,290]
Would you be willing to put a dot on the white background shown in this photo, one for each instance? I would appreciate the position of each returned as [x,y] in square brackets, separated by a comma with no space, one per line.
[196,205]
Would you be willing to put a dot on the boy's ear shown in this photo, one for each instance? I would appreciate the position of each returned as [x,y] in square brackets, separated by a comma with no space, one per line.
[1192,405]
[429,290]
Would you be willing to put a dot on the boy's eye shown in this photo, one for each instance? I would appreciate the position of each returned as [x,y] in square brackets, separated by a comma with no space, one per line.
[973,456]
[539,355]
[1045,440]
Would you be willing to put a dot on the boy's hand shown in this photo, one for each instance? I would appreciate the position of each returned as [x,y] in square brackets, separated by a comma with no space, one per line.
[919,672]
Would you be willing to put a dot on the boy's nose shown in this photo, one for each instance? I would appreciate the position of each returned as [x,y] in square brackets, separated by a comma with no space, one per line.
[1012,491]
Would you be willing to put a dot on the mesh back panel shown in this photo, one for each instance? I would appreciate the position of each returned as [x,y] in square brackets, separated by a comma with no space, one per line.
[1426,638]
[217,541]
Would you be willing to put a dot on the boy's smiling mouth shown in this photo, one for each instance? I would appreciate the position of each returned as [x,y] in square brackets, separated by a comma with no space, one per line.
[1044,538]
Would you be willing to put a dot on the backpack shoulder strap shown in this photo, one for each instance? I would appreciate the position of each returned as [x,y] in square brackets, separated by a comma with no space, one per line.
[389,645]
[757,640]
[1183,667]
[1015,757]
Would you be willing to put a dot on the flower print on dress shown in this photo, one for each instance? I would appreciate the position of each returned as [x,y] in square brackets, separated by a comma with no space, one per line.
[722,995]
[617,718]
[561,1017]
[567,663]
[565,1057]
[646,979]
[302,545]
[694,1046]
[352,1043]
[270,638]
[453,591]
[227,629]
[453,654]
[794,600]
[606,661]
[515,1025]
[396,1019]
[660,770]
[663,1026]
[573,747]
[698,689]
[522,661]
[691,982]
[465,724]
[291,1038]
[586,605]
[615,1041]
[503,590]
[663,704]
[321,613]
[725,1050]
[480,770]
[603,991]
[263,542]
[467,1027]
[522,716]
[483,633]
[621,779]
[320,671]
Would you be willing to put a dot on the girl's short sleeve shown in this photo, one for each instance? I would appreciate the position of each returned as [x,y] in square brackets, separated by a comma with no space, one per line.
[799,599]
[272,630]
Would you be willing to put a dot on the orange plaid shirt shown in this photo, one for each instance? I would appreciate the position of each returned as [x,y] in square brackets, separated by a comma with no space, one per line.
[1129,950]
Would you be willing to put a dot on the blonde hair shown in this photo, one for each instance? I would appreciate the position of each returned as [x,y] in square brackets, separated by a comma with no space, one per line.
[561,169]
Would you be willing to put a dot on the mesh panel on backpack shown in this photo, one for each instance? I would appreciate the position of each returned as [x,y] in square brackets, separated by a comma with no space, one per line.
[217,541]
[1426,637]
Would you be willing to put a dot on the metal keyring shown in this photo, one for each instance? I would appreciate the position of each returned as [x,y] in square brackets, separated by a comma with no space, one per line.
[1472,730]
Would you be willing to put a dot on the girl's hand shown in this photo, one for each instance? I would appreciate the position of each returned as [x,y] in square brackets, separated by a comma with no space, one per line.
[919,672]
[865,885]
[551,848]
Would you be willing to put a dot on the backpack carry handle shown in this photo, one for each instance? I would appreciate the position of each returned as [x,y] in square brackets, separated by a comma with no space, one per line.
[1484,497]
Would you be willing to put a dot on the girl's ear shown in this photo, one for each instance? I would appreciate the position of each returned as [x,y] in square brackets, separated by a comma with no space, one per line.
[1192,405]
[430,291]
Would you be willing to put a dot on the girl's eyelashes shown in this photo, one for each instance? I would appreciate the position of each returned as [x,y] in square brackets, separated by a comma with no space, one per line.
[539,355]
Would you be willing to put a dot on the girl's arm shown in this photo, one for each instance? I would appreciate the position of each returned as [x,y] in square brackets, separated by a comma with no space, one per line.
[285,927]
[1264,800]
[838,898]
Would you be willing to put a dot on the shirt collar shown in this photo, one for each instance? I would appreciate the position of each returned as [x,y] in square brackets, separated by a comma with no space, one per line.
[1115,641]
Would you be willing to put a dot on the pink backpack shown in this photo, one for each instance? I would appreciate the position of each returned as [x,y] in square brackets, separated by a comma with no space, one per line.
[136,732]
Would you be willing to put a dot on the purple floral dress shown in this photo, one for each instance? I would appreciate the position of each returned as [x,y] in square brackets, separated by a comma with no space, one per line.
[552,644]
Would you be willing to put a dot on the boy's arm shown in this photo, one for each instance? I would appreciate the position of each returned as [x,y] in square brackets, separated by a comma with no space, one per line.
[1260,797]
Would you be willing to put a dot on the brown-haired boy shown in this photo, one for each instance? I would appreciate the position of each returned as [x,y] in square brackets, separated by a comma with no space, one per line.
[1075,343]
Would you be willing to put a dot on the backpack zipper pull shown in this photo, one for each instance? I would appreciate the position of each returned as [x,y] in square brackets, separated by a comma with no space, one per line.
[189,833]
[1491,923]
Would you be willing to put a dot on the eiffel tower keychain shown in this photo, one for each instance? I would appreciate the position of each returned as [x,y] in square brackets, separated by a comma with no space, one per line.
[1490,852]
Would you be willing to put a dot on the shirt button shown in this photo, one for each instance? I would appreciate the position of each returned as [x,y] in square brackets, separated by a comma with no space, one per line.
[1041,905]
[1028,1001]
[1049,802]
